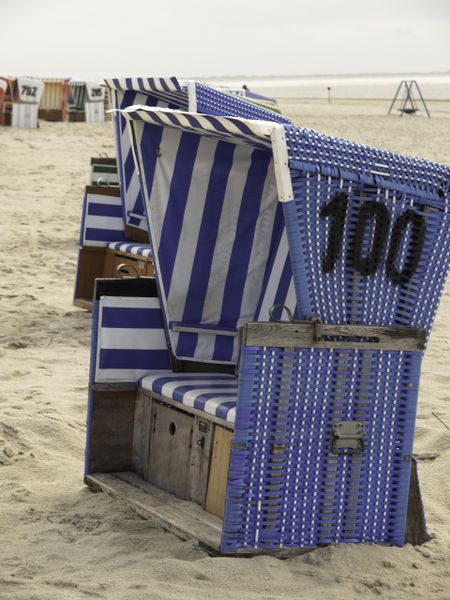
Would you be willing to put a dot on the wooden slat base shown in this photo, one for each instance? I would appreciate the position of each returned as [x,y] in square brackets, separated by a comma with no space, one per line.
[181,517]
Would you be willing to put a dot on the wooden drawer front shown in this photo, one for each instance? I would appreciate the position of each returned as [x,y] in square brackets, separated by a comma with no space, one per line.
[170,450]
[140,264]
[218,472]
[200,453]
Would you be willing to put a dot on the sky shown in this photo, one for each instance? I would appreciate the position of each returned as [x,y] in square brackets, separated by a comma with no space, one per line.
[93,39]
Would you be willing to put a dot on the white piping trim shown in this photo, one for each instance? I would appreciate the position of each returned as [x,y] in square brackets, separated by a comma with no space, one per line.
[192,96]
[281,164]
[132,134]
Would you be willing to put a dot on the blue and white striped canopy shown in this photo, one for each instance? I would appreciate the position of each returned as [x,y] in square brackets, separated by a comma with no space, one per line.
[216,226]
[171,93]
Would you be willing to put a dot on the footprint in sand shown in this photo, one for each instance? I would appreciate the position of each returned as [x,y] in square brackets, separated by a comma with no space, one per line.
[20,494]
[17,345]
[14,375]
[12,448]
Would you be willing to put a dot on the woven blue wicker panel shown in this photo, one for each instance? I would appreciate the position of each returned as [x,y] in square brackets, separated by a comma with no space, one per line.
[215,102]
[366,249]
[307,146]
[286,488]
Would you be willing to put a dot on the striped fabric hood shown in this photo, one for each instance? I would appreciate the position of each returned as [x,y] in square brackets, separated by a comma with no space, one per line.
[175,94]
[216,225]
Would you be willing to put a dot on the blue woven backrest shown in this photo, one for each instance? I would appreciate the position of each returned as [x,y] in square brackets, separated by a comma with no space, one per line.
[101,220]
[217,231]
[287,485]
[128,339]
[215,102]
[368,230]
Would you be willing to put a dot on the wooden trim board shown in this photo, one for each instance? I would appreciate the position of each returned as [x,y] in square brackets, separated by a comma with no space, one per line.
[308,334]
[83,303]
[189,409]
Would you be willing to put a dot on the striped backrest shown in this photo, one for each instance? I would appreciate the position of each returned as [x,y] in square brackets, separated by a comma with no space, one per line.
[78,95]
[216,227]
[128,337]
[368,230]
[55,94]
[101,220]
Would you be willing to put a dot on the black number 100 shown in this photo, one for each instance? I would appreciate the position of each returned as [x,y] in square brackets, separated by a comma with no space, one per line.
[377,213]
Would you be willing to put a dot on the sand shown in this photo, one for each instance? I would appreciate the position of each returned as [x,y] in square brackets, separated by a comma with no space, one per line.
[60,541]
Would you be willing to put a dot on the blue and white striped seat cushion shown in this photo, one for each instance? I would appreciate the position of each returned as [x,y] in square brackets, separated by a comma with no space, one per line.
[214,394]
[137,249]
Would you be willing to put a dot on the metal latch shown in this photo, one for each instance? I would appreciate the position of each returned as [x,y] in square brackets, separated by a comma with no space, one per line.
[348,435]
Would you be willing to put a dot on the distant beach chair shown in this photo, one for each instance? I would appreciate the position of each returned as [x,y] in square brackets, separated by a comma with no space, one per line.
[98,255]
[20,101]
[54,105]
[310,443]
[104,171]
[9,85]
[256,98]
[169,92]
[28,93]
[3,88]
[86,102]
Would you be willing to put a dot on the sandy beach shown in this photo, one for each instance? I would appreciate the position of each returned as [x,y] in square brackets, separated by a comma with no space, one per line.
[61,541]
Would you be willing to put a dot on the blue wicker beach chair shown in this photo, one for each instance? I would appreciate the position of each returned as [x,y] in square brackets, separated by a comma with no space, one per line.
[311,441]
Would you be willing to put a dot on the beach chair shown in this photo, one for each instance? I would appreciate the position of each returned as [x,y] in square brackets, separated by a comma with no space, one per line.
[86,102]
[54,104]
[256,98]
[8,85]
[309,441]
[98,256]
[3,88]
[148,92]
[25,105]
[104,171]
[20,101]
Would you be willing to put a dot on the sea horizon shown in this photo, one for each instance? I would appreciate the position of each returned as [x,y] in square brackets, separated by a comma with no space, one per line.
[375,86]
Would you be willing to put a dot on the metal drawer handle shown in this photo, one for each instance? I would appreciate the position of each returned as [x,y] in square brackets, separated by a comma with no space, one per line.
[123,270]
